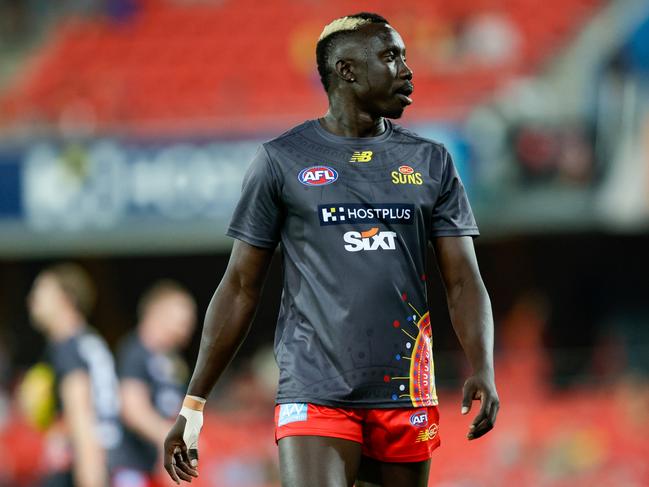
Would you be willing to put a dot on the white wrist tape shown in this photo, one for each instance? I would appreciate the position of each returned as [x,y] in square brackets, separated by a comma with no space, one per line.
[192,428]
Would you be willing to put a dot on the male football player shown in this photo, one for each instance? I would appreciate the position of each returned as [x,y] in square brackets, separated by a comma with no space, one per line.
[86,383]
[354,200]
[153,377]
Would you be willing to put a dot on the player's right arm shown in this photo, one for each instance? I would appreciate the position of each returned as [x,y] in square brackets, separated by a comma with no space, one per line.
[139,413]
[226,324]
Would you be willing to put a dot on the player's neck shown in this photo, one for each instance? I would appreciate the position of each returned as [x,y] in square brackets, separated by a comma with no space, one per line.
[150,337]
[67,325]
[344,121]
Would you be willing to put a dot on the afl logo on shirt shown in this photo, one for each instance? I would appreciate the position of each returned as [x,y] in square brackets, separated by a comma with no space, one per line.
[317,176]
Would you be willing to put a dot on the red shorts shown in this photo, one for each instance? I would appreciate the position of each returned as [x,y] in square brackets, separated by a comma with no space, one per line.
[386,435]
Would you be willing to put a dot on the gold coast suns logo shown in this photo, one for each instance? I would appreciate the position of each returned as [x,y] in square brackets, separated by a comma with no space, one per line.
[363,156]
[406,175]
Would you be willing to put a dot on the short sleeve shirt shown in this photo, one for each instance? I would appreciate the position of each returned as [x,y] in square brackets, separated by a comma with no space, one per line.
[354,217]
[165,375]
[88,352]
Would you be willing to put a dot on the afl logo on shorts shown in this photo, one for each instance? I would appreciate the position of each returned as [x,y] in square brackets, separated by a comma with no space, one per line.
[419,419]
[317,176]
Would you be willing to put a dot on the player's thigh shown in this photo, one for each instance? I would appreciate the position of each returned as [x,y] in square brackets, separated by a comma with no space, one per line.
[318,461]
[373,473]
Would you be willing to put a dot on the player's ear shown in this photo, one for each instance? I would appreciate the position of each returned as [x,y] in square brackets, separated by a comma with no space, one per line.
[345,70]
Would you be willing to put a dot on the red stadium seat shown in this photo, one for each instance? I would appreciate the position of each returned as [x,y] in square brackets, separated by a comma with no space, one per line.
[198,62]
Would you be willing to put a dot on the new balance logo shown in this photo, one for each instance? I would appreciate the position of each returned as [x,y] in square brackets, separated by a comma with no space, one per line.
[427,434]
[364,156]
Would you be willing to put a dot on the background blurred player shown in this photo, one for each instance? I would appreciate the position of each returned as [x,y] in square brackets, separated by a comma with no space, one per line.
[356,395]
[61,298]
[153,378]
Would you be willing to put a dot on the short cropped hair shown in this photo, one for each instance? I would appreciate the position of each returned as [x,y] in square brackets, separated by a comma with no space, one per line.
[76,285]
[158,290]
[335,31]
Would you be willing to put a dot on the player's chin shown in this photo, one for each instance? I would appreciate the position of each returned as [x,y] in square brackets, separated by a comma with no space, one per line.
[396,107]
[394,112]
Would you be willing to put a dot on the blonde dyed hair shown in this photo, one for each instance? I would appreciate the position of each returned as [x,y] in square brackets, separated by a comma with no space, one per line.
[343,24]
[335,29]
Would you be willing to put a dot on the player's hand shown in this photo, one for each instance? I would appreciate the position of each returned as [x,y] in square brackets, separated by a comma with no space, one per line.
[181,446]
[481,386]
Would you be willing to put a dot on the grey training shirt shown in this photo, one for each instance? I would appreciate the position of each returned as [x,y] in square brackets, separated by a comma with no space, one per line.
[354,217]
[87,351]
[165,375]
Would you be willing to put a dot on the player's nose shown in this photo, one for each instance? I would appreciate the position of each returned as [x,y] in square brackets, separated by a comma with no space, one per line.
[405,72]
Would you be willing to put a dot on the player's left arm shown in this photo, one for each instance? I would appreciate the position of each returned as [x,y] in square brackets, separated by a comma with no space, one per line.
[90,461]
[470,310]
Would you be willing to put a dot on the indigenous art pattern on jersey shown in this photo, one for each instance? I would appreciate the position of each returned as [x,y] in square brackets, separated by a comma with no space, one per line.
[418,350]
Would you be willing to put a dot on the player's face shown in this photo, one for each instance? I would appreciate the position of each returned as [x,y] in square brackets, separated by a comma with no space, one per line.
[44,300]
[384,80]
[175,318]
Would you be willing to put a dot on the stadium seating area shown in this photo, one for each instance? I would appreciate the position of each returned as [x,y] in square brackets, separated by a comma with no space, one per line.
[177,65]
